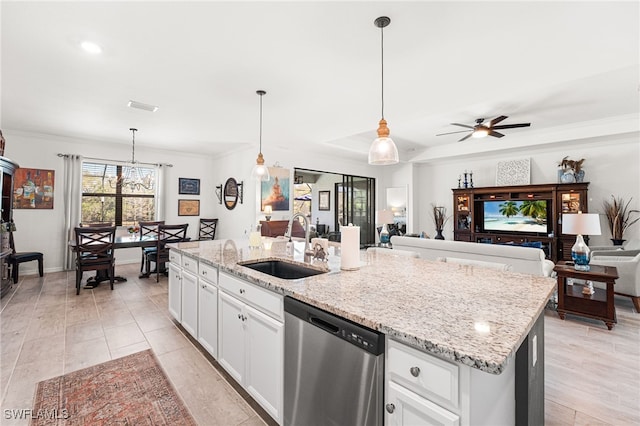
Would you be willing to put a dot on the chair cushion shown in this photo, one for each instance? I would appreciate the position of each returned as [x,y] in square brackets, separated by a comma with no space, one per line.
[26,256]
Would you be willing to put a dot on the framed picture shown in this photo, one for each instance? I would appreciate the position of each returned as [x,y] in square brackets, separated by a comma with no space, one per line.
[188,186]
[276,190]
[188,207]
[33,188]
[324,198]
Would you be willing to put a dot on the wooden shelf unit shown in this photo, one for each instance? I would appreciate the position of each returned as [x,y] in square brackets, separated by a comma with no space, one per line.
[563,198]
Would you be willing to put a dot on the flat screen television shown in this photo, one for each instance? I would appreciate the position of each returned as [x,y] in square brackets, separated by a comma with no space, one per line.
[512,216]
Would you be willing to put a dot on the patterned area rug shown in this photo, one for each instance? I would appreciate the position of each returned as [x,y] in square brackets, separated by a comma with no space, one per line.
[132,390]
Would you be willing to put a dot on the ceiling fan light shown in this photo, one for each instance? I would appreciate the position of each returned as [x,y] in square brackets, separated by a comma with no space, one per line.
[480,133]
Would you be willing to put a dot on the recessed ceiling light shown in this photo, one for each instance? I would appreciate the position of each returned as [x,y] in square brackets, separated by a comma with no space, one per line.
[91,47]
[140,105]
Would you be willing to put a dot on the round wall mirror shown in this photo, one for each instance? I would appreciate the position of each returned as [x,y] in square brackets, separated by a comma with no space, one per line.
[230,193]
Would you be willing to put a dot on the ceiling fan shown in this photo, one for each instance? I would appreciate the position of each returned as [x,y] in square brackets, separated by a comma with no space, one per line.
[481,130]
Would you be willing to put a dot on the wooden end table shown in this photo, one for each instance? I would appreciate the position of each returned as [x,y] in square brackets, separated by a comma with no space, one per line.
[598,305]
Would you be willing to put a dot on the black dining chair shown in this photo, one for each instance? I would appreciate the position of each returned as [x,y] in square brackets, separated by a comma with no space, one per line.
[166,234]
[207,229]
[148,229]
[95,252]
[16,258]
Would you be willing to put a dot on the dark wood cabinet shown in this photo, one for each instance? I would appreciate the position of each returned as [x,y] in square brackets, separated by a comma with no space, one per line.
[471,219]
[7,171]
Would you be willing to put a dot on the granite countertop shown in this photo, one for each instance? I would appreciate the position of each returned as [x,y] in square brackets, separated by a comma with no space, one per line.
[463,313]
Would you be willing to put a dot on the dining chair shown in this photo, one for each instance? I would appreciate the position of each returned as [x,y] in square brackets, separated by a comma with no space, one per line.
[148,229]
[166,234]
[16,258]
[207,229]
[94,252]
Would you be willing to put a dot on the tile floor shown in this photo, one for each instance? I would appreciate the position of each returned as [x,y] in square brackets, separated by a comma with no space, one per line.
[47,331]
[592,374]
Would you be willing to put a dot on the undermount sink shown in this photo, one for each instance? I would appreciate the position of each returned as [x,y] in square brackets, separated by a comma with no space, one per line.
[281,269]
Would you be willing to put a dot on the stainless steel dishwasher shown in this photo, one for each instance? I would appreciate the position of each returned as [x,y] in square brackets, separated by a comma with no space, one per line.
[333,369]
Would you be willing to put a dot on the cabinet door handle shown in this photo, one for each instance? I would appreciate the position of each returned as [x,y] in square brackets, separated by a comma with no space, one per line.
[241,291]
[239,316]
[390,408]
[204,272]
[415,371]
[204,286]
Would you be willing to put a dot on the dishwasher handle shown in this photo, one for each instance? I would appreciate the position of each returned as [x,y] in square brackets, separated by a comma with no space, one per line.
[326,326]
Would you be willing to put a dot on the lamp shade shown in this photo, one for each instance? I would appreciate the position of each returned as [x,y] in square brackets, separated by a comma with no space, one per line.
[581,224]
[385,216]
[267,209]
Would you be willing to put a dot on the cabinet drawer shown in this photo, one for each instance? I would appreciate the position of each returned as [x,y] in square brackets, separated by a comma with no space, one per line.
[264,300]
[209,273]
[431,377]
[175,257]
[190,264]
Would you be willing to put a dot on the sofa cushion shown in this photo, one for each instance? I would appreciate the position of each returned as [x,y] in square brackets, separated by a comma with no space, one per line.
[478,263]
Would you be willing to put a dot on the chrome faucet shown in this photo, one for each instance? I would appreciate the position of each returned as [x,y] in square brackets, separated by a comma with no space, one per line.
[308,253]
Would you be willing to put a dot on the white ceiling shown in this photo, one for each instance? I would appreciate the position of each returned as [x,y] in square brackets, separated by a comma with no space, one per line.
[569,68]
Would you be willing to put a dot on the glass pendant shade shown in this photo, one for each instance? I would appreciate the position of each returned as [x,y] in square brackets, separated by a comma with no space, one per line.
[383,150]
[260,172]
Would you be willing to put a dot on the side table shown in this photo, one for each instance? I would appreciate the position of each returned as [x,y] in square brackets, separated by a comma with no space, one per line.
[598,305]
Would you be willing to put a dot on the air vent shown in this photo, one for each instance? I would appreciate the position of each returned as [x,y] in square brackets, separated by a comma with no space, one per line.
[140,105]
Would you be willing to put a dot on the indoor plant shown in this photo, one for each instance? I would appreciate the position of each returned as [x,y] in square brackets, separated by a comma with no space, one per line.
[439,219]
[619,217]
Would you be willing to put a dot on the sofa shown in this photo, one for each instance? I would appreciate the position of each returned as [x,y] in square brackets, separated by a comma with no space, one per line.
[526,260]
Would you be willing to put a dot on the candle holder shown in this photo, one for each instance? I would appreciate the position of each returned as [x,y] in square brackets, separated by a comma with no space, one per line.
[459,179]
[471,179]
[466,182]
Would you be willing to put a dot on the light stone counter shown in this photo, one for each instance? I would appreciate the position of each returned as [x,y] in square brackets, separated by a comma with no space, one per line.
[474,316]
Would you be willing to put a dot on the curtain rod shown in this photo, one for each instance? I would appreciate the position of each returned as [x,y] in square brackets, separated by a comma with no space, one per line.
[119,161]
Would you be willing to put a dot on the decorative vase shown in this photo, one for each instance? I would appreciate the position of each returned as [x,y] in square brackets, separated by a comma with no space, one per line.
[617,242]
[568,177]
[579,176]
[439,235]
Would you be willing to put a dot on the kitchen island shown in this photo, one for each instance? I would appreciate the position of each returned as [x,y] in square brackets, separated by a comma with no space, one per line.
[463,314]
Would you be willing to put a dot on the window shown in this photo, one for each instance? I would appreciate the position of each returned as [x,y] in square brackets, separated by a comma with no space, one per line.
[119,194]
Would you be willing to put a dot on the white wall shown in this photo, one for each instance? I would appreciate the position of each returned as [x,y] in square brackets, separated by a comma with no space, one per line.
[611,167]
[325,182]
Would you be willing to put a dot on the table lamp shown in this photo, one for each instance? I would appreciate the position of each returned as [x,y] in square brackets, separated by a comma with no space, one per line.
[385,217]
[267,212]
[581,224]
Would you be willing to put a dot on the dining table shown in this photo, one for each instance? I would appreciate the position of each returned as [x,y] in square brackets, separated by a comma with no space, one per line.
[121,241]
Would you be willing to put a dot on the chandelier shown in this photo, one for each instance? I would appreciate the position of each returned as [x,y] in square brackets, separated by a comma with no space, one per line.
[132,177]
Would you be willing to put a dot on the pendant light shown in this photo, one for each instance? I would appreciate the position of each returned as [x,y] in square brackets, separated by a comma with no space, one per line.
[383,151]
[260,172]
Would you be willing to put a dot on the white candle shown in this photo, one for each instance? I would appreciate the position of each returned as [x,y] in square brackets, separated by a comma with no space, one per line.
[350,248]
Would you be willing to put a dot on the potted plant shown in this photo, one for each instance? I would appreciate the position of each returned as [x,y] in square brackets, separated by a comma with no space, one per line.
[619,217]
[439,219]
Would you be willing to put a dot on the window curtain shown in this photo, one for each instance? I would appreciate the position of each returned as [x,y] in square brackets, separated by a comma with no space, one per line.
[72,203]
[161,176]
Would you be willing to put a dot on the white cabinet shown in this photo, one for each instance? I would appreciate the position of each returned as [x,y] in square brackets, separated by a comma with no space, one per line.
[190,303]
[175,291]
[404,407]
[208,309]
[422,389]
[251,340]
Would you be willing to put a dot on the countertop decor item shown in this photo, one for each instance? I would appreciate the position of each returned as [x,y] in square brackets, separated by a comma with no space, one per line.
[260,172]
[383,150]
[619,217]
[350,248]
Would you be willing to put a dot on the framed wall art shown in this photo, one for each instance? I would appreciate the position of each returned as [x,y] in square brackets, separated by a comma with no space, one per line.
[514,172]
[324,200]
[188,186]
[33,188]
[188,207]
[276,190]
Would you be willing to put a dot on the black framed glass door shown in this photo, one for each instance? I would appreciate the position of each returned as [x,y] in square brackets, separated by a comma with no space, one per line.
[355,201]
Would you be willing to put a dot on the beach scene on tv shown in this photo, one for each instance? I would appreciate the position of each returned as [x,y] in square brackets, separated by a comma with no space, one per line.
[515,216]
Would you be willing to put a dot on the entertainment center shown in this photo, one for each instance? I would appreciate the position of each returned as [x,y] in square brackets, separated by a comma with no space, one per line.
[528,215]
